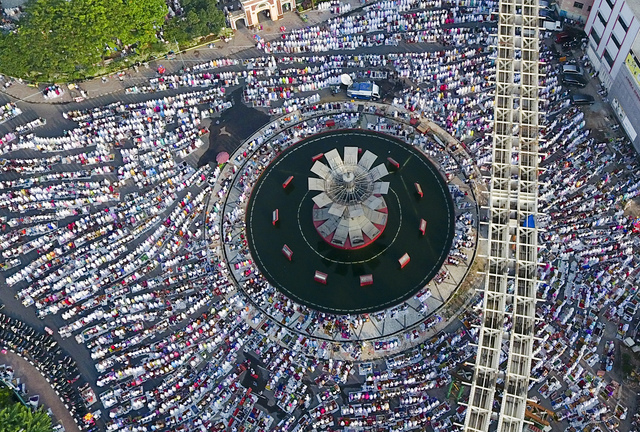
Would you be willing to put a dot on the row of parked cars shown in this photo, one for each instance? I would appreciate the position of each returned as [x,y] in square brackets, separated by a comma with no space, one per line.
[573,75]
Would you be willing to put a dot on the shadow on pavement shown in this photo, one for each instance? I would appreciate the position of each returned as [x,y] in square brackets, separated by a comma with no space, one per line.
[233,127]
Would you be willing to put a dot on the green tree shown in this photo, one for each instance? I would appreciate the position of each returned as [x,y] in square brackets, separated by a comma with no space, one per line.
[17,417]
[56,38]
[200,18]
[144,17]
[6,396]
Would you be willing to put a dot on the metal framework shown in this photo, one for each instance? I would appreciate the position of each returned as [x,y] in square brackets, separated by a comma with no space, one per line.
[510,283]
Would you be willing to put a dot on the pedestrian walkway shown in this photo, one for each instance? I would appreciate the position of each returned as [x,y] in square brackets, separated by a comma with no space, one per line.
[37,384]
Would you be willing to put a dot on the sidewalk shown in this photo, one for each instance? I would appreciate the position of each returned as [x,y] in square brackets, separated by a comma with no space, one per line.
[243,39]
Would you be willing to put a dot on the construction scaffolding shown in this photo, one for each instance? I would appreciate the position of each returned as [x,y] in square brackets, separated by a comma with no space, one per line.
[510,283]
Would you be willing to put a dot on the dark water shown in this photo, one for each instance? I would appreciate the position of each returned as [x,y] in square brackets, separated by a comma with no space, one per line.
[343,293]
[236,125]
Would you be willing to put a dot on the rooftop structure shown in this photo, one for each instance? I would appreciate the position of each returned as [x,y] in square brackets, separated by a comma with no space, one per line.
[613,48]
[510,283]
[250,10]
[573,9]
[349,212]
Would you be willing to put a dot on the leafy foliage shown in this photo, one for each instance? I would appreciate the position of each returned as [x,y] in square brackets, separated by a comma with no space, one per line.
[15,417]
[200,18]
[6,397]
[57,38]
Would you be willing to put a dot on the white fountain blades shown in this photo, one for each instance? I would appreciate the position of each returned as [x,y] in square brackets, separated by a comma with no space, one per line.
[350,198]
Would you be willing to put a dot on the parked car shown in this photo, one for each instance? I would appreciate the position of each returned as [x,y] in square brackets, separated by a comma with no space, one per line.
[629,312]
[574,80]
[572,69]
[570,33]
[582,99]
[563,37]
[552,25]
[549,14]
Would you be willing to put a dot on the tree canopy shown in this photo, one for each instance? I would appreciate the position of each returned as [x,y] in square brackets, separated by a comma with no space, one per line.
[15,417]
[57,38]
[200,18]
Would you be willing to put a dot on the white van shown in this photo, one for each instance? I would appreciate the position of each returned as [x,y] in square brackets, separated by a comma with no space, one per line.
[552,25]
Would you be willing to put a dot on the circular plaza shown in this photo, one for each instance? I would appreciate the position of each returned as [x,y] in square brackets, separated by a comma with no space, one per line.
[346,226]
[346,232]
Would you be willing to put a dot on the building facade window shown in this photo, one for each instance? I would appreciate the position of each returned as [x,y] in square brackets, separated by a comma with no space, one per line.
[608,58]
[610,3]
[602,20]
[589,9]
[578,5]
[623,24]
[615,40]
[595,36]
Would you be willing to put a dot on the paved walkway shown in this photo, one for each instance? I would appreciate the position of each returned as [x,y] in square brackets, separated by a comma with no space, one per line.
[37,384]
[242,40]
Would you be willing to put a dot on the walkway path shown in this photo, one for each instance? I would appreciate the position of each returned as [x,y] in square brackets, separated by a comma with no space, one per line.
[37,384]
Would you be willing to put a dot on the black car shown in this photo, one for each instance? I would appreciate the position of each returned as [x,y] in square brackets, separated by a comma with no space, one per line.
[582,99]
[571,69]
[574,80]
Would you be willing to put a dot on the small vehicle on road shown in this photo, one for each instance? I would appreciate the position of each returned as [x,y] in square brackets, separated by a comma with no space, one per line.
[571,69]
[574,80]
[582,99]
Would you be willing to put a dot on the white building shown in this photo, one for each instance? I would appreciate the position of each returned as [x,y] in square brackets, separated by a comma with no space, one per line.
[613,28]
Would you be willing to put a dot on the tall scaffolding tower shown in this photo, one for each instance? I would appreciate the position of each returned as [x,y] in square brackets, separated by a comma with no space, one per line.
[510,283]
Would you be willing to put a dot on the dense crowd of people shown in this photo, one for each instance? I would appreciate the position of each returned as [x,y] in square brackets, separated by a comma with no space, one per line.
[97,270]
[387,23]
[114,228]
[450,86]
[269,300]
[7,112]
